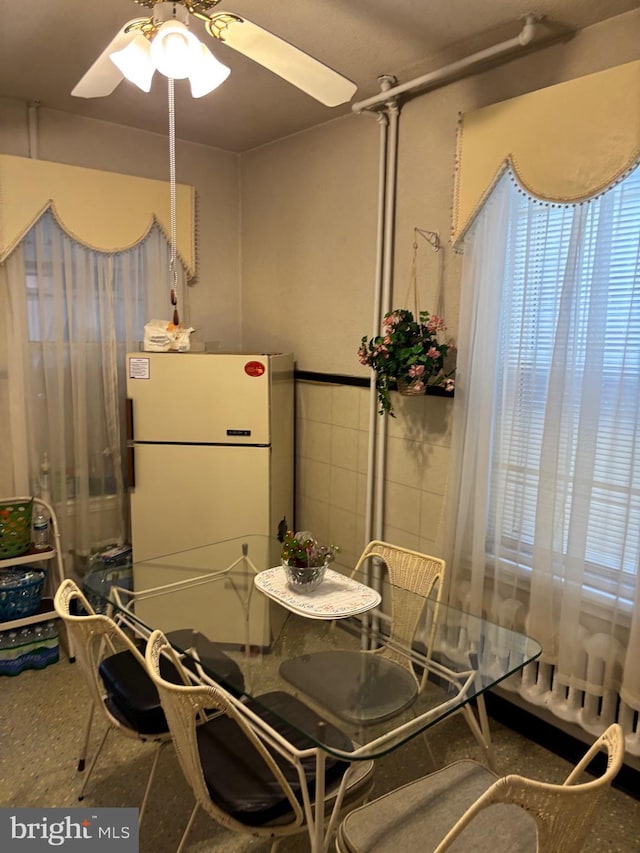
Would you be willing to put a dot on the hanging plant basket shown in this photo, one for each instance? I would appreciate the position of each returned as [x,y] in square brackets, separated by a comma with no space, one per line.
[409,354]
[411,389]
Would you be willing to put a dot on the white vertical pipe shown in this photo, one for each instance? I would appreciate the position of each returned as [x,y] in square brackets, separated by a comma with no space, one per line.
[383,124]
[32,120]
[393,111]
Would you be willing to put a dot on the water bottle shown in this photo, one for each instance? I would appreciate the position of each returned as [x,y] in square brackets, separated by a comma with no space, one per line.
[7,652]
[50,631]
[9,663]
[40,528]
[49,648]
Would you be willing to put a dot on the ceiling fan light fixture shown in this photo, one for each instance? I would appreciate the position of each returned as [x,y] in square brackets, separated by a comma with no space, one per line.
[174,50]
[135,62]
[207,73]
[178,54]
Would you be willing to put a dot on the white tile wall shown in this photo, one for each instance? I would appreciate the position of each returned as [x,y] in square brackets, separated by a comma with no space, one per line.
[314,479]
[402,506]
[332,435]
[315,440]
[344,447]
[405,460]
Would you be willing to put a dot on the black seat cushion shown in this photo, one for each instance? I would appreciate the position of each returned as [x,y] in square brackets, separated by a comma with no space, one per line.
[132,697]
[131,694]
[239,781]
[214,661]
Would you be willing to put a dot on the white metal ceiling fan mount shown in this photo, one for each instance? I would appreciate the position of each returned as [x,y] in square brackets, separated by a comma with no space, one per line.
[164,42]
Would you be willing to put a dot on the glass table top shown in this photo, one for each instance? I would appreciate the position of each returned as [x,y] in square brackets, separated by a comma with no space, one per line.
[227,607]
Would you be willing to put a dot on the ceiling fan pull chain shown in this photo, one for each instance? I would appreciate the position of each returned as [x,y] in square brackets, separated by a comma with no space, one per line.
[173,271]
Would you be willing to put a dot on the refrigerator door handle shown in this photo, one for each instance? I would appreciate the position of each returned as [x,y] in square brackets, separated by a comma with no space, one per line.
[129,418]
[131,464]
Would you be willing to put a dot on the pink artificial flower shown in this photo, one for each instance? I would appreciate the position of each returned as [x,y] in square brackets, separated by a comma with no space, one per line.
[419,386]
[436,324]
[416,370]
[432,352]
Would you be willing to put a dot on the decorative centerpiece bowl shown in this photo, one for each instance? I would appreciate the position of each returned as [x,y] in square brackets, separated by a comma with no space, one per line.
[305,561]
[304,579]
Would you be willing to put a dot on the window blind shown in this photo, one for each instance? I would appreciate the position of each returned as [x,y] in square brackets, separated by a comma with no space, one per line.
[570,329]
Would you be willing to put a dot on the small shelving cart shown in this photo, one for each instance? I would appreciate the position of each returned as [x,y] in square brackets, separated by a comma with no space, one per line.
[55,575]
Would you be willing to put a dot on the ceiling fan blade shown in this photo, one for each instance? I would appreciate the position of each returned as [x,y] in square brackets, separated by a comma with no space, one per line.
[103,76]
[289,62]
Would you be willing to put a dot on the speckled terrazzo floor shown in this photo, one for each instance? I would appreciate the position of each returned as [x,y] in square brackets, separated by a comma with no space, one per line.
[42,716]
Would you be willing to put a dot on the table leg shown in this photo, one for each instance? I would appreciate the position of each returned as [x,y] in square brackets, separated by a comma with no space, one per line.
[317,829]
[319,834]
[486,731]
[480,729]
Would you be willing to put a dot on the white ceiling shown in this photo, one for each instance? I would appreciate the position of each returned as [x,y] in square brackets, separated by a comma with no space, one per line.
[45,48]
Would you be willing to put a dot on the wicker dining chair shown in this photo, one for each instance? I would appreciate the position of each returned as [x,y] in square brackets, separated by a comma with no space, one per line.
[238,778]
[419,573]
[465,806]
[414,572]
[115,673]
[385,675]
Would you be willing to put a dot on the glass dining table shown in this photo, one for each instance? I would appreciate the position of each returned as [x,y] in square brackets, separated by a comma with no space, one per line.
[228,609]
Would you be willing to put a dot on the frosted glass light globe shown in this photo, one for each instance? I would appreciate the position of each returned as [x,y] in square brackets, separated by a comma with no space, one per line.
[173,50]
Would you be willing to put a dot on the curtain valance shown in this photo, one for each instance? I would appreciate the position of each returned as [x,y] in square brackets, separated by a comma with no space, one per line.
[565,143]
[106,211]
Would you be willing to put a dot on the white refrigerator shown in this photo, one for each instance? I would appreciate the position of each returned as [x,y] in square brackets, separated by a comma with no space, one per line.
[210,445]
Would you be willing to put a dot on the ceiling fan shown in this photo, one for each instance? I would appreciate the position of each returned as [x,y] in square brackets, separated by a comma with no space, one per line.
[164,42]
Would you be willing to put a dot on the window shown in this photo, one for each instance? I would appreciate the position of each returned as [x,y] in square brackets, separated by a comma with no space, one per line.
[77,301]
[65,288]
[568,379]
[76,312]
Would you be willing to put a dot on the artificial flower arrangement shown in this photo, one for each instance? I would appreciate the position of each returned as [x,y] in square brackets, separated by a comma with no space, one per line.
[408,352]
[303,551]
[305,560]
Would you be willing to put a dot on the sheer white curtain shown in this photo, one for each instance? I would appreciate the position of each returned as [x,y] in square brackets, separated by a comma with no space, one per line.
[545,497]
[71,315]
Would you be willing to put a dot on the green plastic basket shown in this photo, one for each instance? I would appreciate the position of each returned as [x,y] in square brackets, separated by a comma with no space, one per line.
[15,527]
